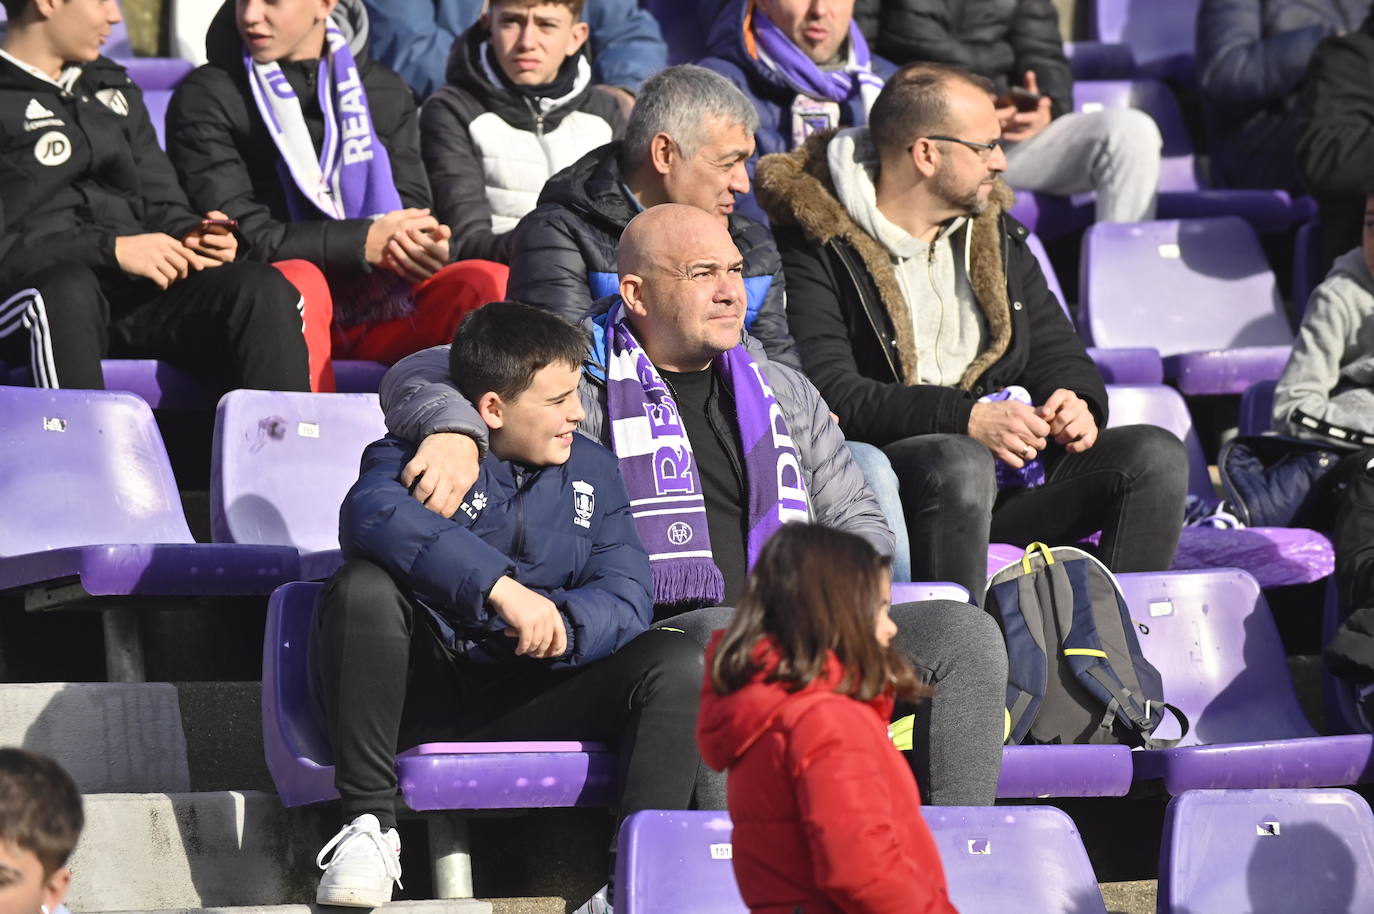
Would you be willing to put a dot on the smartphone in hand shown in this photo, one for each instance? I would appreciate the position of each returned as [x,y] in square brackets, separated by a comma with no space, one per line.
[1020,98]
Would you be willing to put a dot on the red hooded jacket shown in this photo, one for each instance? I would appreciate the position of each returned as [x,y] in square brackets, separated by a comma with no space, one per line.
[825,809]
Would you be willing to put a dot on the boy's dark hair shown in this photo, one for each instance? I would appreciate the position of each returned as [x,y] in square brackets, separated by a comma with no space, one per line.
[500,346]
[574,5]
[13,8]
[40,807]
[912,104]
[813,591]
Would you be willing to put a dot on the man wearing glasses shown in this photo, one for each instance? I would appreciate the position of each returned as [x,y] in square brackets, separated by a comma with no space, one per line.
[913,297]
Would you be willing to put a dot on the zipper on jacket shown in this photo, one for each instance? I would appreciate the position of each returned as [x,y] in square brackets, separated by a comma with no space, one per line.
[935,289]
[864,305]
[538,118]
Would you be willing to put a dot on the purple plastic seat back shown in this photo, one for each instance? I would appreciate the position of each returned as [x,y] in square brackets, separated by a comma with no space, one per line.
[1160,35]
[294,741]
[1038,249]
[282,463]
[1156,404]
[996,859]
[157,101]
[914,592]
[1257,408]
[84,467]
[1267,851]
[1220,293]
[1218,652]
[1014,858]
[1307,269]
[1178,164]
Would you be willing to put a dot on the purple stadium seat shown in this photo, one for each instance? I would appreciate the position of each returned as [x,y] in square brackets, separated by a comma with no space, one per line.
[903,592]
[157,74]
[1257,408]
[1274,555]
[356,377]
[102,518]
[157,101]
[266,443]
[1160,36]
[159,384]
[1307,266]
[1266,851]
[1210,635]
[996,859]
[433,776]
[1099,60]
[1222,325]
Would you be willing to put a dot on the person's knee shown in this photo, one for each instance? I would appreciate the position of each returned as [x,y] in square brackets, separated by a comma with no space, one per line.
[969,640]
[360,589]
[1129,131]
[1155,457]
[675,666]
[268,295]
[957,472]
[68,295]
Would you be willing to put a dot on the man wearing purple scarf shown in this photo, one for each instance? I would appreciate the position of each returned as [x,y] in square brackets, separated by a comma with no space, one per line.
[719,446]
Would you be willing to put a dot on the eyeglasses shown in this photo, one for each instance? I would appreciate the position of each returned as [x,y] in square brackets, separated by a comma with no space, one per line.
[984,150]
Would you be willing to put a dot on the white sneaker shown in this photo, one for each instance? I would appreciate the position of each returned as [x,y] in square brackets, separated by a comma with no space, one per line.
[366,862]
[597,904]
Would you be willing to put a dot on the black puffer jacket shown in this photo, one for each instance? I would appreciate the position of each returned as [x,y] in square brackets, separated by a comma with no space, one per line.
[227,160]
[563,253]
[843,299]
[79,170]
[999,39]
[488,149]
[1252,56]
[1336,136]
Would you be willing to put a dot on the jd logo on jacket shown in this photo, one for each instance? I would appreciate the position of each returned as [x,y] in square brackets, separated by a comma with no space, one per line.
[52,148]
[1075,670]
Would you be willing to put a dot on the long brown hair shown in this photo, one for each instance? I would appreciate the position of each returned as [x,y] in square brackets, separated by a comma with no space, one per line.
[812,591]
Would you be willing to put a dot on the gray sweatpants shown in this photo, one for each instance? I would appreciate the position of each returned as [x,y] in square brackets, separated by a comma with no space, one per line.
[959,650]
[1114,151]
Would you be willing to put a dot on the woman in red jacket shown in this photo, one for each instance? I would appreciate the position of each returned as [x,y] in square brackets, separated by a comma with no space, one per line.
[798,692]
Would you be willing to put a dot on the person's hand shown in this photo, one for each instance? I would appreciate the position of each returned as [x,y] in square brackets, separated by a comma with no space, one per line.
[214,244]
[1011,430]
[156,256]
[384,228]
[441,472]
[1071,421]
[532,617]
[1023,125]
[416,254]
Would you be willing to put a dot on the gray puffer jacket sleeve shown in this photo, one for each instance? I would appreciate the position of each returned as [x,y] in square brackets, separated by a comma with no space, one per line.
[839,494]
[419,400]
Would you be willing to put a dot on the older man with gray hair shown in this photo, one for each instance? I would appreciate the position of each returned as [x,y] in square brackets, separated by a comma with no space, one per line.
[687,142]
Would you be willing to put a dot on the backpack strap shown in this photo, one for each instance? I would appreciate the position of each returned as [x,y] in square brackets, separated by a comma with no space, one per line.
[1125,702]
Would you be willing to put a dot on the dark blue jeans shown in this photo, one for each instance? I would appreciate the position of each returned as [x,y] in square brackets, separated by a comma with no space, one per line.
[1130,485]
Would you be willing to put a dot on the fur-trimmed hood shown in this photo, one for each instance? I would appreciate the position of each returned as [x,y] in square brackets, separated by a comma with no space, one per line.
[797,188]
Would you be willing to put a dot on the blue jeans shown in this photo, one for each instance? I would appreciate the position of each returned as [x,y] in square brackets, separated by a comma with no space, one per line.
[877,470]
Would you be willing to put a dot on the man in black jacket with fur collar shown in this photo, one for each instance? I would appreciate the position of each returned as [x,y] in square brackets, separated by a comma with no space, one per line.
[912,296]
[100,254]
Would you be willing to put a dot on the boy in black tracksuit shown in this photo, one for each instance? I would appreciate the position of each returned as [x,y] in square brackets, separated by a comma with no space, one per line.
[100,254]
[521,617]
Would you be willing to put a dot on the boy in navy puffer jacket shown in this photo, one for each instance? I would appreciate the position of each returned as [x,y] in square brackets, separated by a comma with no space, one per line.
[523,616]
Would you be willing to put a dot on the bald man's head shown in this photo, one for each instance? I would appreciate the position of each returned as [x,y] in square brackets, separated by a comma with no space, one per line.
[682,279]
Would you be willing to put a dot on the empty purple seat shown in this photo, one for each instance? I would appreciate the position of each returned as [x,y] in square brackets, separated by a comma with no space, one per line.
[358,377]
[996,859]
[1307,266]
[1248,851]
[157,74]
[903,592]
[1099,60]
[1160,35]
[434,776]
[1276,556]
[102,520]
[156,101]
[1213,640]
[267,444]
[1220,327]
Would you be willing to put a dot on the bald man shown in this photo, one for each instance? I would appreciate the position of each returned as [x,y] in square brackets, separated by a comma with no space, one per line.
[668,385]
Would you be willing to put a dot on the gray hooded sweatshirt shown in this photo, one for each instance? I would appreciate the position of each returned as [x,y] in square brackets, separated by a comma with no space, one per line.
[1330,374]
[947,323]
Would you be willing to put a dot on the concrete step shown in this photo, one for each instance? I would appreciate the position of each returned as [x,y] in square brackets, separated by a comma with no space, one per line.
[466,906]
[187,851]
[111,737]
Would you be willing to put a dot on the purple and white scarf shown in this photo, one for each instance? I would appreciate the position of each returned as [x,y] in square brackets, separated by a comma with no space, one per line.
[350,178]
[656,460]
[1008,476]
[778,52]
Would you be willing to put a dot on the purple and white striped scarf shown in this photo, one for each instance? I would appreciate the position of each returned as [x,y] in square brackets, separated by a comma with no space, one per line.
[351,176]
[656,460]
[778,52]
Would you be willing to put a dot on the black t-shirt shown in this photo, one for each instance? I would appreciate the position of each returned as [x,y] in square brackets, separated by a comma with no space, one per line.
[719,461]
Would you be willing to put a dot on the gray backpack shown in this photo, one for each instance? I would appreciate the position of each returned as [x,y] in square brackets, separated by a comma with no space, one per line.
[1075,670]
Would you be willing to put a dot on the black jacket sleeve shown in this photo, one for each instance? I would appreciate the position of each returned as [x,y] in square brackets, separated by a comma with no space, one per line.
[1038,46]
[871,410]
[454,166]
[1336,117]
[547,268]
[1241,67]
